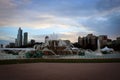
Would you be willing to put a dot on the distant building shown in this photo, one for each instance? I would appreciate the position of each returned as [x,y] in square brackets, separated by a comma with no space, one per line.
[1,45]
[94,40]
[89,42]
[84,42]
[80,41]
[25,38]
[46,39]
[103,40]
[11,45]
[109,42]
[118,40]
[19,37]
[22,39]
[116,44]
[32,41]
[7,46]
[16,43]
[67,42]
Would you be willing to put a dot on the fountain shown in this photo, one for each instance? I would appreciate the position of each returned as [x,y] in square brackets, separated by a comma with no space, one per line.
[98,52]
[46,49]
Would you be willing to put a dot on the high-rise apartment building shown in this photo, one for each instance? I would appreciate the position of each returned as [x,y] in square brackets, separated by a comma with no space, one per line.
[25,38]
[19,37]
[89,42]
[16,42]
[103,40]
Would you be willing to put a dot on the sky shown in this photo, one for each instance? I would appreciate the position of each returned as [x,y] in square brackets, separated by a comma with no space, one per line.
[68,19]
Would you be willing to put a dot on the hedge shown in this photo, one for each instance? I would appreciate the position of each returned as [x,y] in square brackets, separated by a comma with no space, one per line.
[38,60]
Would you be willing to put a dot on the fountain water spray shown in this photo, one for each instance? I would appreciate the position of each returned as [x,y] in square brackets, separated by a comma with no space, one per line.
[98,48]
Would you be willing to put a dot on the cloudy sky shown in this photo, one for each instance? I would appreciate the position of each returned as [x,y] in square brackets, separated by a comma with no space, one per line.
[66,18]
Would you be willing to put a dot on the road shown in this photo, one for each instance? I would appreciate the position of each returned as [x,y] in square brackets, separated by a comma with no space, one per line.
[60,71]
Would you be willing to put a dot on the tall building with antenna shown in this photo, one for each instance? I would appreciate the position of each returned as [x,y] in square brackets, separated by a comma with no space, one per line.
[19,37]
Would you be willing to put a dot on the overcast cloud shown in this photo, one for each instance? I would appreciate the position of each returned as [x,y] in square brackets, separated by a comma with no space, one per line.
[69,18]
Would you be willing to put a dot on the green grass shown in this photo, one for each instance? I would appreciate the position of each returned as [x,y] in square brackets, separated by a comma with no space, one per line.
[38,60]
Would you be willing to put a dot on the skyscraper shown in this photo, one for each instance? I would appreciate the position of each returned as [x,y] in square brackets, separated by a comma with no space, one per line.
[19,37]
[25,38]
[16,42]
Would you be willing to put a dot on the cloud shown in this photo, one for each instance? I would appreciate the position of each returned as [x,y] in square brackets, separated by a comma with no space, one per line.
[108,4]
[4,42]
[66,17]
[6,4]
[108,24]
[6,37]
[20,13]
[9,9]
[72,36]
[40,21]
[44,13]
[66,8]
[114,23]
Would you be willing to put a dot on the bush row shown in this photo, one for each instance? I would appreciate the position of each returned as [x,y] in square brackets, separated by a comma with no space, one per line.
[19,61]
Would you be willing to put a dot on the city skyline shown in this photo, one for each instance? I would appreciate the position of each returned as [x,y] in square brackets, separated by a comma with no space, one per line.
[66,18]
[22,39]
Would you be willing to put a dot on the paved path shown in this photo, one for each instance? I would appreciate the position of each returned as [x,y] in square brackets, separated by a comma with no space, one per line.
[61,71]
